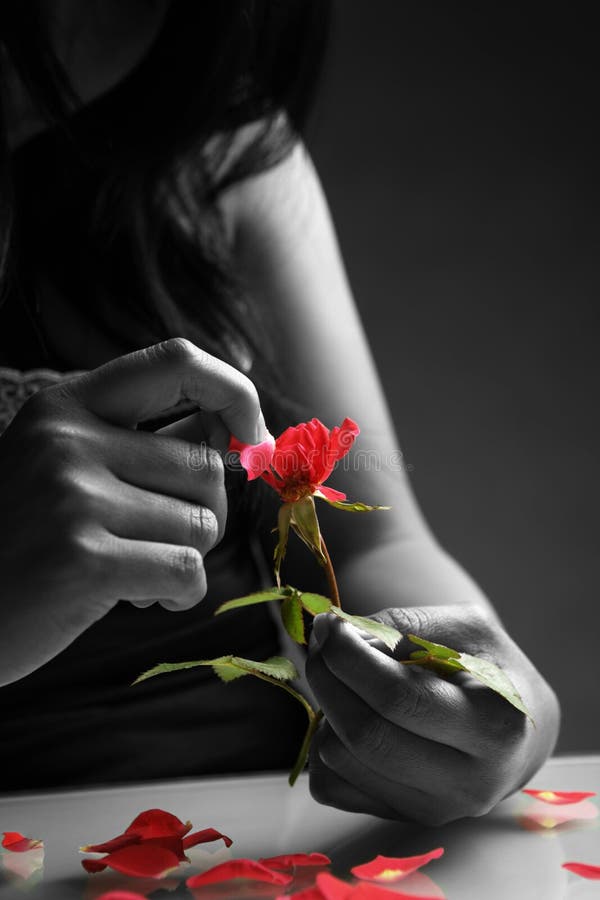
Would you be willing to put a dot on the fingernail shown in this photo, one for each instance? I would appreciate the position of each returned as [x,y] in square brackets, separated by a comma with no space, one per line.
[261,432]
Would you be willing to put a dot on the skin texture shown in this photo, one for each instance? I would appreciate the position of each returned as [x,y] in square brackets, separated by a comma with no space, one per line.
[396,741]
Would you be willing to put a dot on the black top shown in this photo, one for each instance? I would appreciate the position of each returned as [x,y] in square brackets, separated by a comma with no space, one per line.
[77,720]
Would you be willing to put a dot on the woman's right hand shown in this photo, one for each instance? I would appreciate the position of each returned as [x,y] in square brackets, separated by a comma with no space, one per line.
[93,511]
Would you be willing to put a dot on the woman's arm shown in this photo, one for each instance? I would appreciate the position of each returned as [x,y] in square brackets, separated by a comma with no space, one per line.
[285,245]
[396,742]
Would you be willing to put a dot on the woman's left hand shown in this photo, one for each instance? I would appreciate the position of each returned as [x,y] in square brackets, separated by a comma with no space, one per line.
[401,742]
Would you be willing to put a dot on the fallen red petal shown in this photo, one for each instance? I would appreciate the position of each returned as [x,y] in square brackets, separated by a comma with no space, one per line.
[157,823]
[333,888]
[204,836]
[367,891]
[311,893]
[18,843]
[121,895]
[393,868]
[289,860]
[559,797]
[147,859]
[583,869]
[239,868]
[93,866]
[122,840]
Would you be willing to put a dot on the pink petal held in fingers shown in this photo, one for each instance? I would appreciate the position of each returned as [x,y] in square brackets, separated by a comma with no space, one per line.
[204,837]
[583,869]
[145,860]
[154,823]
[392,868]
[560,797]
[238,868]
[18,843]
[289,860]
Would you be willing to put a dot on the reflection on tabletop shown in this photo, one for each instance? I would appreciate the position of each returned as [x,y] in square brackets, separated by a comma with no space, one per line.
[514,852]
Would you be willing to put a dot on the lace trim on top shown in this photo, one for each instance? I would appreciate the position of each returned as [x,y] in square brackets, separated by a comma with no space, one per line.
[16,387]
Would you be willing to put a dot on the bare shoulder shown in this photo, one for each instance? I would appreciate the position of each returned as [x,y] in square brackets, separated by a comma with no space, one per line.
[284,196]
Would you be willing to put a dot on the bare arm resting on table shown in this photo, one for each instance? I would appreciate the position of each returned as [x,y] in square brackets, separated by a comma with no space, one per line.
[397,742]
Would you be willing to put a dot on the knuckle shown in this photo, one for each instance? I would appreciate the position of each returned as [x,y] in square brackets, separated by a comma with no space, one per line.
[176,349]
[207,462]
[187,566]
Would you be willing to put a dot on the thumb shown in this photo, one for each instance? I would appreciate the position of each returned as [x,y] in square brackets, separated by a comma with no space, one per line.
[150,382]
[459,626]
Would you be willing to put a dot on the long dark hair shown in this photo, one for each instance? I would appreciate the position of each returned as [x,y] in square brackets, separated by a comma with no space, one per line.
[216,66]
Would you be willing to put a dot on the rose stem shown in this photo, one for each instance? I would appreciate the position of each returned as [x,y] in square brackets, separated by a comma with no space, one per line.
[333,588]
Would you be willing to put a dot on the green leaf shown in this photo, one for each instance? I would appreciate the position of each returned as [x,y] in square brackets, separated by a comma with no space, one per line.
[494,678]
[274,593]
[292,618]
[385,633]
[348,505]
[283,525]
[488,673]
[315,603]
[436,650]
[228,668]
[306,525]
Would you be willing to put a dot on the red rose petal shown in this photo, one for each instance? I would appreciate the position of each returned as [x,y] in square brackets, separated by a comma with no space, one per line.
[311,893]
[157,823]
[583,869]
[93,866]
[204,836]
[330,494]
[238,868]
[392,868]
[18,843]
[366,891]
[121,895]
[289,860]
[333,888]
[147,859]
[559,797]
[122,840]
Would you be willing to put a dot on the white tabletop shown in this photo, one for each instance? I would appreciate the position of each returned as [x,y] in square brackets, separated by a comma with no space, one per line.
[487,858]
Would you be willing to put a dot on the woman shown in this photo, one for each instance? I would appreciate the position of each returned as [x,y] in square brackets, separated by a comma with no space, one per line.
[156,185]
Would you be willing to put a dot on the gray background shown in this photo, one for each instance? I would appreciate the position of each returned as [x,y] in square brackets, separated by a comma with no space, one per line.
[458,149]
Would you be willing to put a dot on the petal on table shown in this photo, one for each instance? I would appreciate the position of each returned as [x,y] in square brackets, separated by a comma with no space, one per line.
[538,816]
[239,868]
[157,823]
[333,888]
[560,797]
[290,860]
[204,837]
[18,843]
[142,860]
[388,869]
[583,869]
[116,843]
[121,895]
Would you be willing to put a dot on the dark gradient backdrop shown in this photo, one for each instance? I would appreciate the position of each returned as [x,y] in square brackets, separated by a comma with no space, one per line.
[458,146]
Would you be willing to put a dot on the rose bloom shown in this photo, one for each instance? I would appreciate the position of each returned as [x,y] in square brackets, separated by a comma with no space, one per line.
[302,458]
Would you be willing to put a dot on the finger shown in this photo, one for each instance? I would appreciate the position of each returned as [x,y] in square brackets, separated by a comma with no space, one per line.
[144,570]
[331,789]
[408,697]
[162,464]
[200,428]
[153,381]
[396,799]
[146,516]
[376,742]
